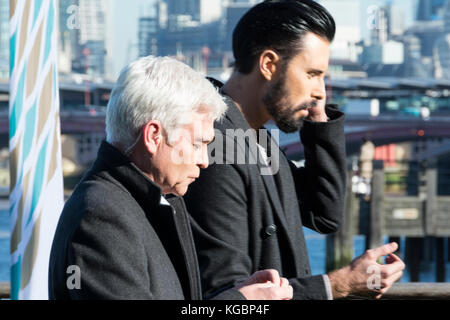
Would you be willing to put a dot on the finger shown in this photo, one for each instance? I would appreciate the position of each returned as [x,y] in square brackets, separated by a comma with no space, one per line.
[270,275]
[386,284]
[395,259]
[284,282]
[382,251]
[279,293]
[389,269]
[291,293]
[266,285]
[393,278]
[287,293]
[382,292]
[272,292]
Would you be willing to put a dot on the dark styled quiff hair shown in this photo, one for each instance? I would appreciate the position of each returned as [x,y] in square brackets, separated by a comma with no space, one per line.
[279,25]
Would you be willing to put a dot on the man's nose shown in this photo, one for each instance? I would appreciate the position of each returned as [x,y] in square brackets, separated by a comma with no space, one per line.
[319,91]
[203,162]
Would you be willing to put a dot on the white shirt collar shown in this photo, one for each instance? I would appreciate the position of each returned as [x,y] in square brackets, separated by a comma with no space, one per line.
[164,202]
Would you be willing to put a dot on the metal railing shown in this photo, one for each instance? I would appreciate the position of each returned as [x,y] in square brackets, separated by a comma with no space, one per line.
[399,291]
[418,291]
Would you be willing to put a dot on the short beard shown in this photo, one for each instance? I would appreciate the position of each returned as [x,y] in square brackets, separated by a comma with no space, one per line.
[279,107]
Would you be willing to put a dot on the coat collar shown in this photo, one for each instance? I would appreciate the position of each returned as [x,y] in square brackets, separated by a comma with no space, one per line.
[144,190]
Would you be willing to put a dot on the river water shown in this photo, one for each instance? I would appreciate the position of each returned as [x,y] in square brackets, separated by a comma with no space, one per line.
[315,242]
[4,241]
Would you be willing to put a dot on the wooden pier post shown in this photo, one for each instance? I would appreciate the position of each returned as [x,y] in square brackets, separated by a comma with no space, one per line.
[448,249]
[430,197]
[413,248]
[375,237]
[431,221]
[339,246]
[427,253]
[440,261]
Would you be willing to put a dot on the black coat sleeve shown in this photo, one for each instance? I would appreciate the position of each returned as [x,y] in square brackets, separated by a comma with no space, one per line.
[320,185]
[220,227]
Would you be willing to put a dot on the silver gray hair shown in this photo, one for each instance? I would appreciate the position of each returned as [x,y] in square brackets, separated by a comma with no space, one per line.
[162,89]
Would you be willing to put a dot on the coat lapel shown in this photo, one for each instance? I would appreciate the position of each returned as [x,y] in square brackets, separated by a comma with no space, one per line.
[235,116]
[186,243]
[238,121]
[289,200]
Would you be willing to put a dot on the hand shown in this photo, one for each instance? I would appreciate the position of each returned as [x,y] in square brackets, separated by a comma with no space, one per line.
[365,276]
[317,113]
[266,285]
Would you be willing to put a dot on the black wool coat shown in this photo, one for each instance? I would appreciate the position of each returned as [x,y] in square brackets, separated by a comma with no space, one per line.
[126,244]
[246,221]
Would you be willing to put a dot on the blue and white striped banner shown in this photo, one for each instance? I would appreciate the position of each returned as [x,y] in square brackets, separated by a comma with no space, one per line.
[36,197]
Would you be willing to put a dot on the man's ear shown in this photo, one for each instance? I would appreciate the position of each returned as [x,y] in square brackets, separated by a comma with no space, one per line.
[152,133]
[269,62]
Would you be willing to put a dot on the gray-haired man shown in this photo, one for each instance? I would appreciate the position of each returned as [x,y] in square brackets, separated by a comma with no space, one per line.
[127,240]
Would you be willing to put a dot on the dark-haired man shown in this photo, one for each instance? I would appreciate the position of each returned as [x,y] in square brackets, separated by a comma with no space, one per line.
[249,220]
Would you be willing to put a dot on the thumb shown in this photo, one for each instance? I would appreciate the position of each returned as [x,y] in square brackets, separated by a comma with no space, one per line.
[383,250]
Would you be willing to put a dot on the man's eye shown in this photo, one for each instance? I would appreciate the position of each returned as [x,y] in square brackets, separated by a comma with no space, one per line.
[315,74]
[196,147]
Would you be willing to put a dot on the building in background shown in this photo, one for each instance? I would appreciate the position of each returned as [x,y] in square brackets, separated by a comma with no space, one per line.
[428,10]
[186,7]
[67,37]
[396,21]
[379,24]
[441,54]
[92,49]
[389,52]
[193,31]
[234,10]
[384,53]
[202,11]
[84,36]
[394,51]
[415,66]
[199,32]
[148,36]
[4,39]
[346,46]
[428,32]
[429,25]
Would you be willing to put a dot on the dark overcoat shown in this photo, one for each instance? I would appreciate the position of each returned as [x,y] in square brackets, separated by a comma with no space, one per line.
[124,242]
[247,221]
